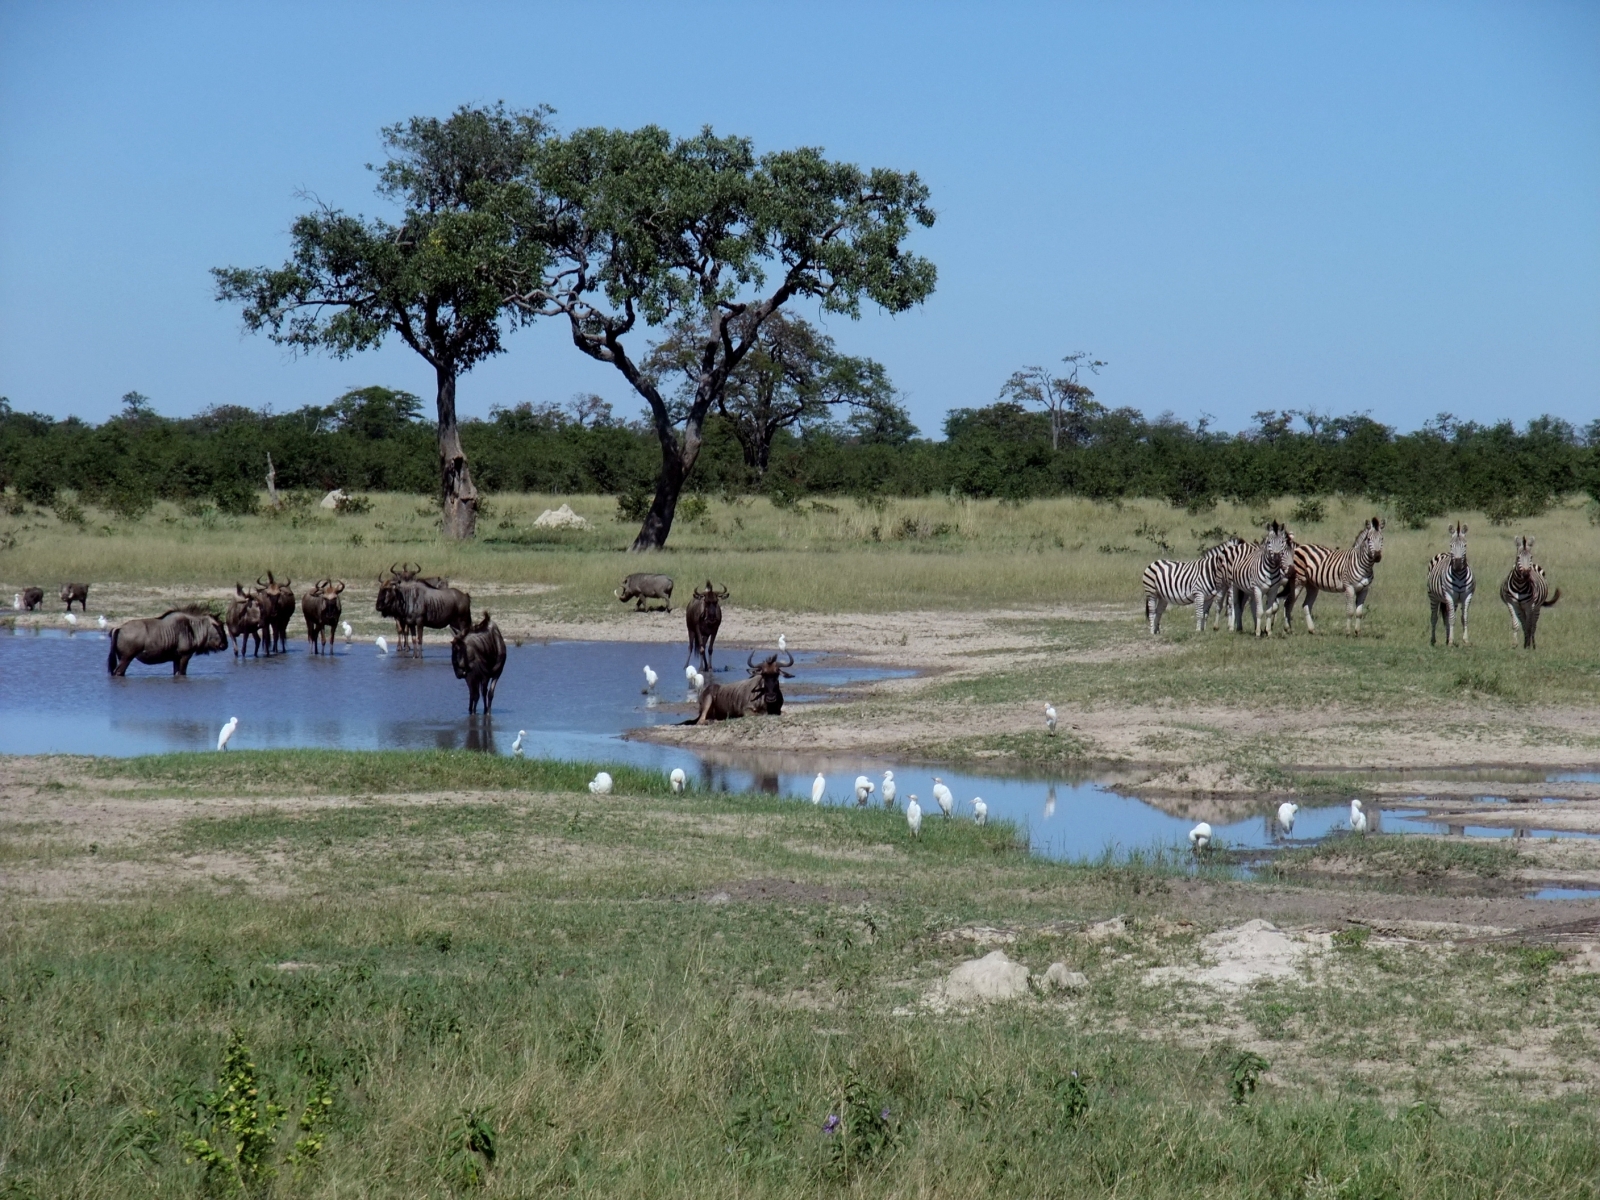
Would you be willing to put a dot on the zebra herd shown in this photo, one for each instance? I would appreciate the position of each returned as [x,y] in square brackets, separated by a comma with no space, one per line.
[1276,573]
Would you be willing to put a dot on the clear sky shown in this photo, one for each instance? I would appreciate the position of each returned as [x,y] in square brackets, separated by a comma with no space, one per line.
[1339,206]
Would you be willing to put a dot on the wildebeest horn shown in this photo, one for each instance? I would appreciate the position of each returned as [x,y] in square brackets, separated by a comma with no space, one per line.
[259,583]
[790,657]
[751,661]
[338,587]
[723,593]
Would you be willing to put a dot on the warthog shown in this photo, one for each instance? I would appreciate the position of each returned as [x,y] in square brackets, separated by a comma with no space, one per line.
[704,618]
[75,592]
[478,655]
[642,586]
[32,598]
[322,609]
[277,610]
[760,693]
[175,637]
[244,620]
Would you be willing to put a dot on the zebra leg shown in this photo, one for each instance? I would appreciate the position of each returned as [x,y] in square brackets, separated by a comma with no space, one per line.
[1466,603]
[1516,624]
[1307,599]
[1202,605]
[1433,623]
[1155,606]
[1359,607]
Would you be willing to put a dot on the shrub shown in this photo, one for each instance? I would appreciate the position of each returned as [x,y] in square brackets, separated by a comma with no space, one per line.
[353,505]
[1309,511]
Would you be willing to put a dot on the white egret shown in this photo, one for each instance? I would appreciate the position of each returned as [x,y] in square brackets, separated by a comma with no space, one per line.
[914,815]
[16,602]
[1200,836]
[980,811]
[819,785]
[1358,819]
[600,785]
[1286,812]
[864,788]
[679,779]
[227,733]
[1050,717]
[101,621]
[382,643]
[947,802]
[347,632]
[71,619]
[888,789]
[688,673]
[516,746]
[783,643]
[650,678]
[699,683]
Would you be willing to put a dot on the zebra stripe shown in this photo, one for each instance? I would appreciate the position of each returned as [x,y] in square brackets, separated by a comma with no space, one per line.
[1184,581]
[1258,570]
[1450,587]
[1327,569]
[1524,592]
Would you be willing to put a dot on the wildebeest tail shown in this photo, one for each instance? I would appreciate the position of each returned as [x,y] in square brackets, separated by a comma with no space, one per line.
[111,656]
[1551,603]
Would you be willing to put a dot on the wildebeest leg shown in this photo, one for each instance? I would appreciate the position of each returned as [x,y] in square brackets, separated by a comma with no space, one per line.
[711,644]
[488,693]
[180,665]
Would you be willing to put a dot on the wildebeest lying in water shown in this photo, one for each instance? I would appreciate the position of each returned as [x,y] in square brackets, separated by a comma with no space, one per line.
[76,592]
[244,620]
[175,637]
[642,586]
[479,656]
[704,618]
[322,609]
[32,598]
[761,693]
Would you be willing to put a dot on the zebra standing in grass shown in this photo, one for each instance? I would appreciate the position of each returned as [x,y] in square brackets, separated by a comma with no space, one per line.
[1258,570]
[1450,587]
[1197,582]
[1326,569]
[1524,592]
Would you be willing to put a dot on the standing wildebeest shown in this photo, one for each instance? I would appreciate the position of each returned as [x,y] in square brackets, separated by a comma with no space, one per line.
[642,586]
[175,637]
[479,656]
[398,588]
[32,598]
[75,591]
[244,620]
[704,616]
[322,609]
[760,693]
[277,609]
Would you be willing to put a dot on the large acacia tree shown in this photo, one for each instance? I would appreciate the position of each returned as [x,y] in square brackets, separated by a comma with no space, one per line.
[647,229]
[437,278]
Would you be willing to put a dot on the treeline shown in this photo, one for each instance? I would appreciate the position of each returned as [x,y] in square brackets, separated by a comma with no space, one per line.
[375,439]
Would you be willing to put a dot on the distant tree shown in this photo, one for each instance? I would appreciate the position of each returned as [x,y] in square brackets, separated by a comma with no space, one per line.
[136,405]
[1062,396]
[438,278]
[375,412]
[646,227]
[590,410]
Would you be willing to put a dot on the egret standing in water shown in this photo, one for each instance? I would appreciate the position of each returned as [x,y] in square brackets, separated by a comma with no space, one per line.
[516,746]
[1200,837]
[1286,812]
[382,643]
[227,733]
[947,802]
[699,682]
[914,815]
[347,632]
[888,789]
[1050,717]
[980,811]
[600,785]
[819,785]
[650,678]
[688,673]
[1358,819]
[679,779]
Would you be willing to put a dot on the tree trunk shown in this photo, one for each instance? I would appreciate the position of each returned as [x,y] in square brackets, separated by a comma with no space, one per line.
[459,496]
[675,467]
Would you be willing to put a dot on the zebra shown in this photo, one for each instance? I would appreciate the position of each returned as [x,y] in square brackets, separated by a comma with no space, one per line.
[1523,593]
[1184,582]
[1258,570]
[1450,587]
[1325,569]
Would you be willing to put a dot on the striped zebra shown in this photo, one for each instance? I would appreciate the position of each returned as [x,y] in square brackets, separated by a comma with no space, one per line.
[1326,569]
[1524,592]
[1257,570]
[1450,587]
[1185,581]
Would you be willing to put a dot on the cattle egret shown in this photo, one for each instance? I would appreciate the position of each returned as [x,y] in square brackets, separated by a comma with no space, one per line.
[699,682]
[650,678]
[942,794]
[679,779]
[888,789]
[600,785]
[1200,836]
[818,786]
[864,788]
[227,733]
[980,811]
[71,620]
[1050,717]
[783,643]
[382,643]
[1286,812]
[1358,819]
[516,746]
[16,602]
[101,620]
[914,815]
[347,632]
[688,673]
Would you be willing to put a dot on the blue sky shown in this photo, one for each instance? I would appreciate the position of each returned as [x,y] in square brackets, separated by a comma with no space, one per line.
[1342,207]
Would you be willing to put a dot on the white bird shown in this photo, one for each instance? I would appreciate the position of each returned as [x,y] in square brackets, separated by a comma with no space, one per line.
[1358,819]
[101,620]
[227,732]
[699,682]
[688,673]
[1050,802]
[783,643]
[1286,812]
[1200,836]
[914,815]
[600,785]
[679,779]
[71,619]
[347,632]
[818,786]
[864,788]
[650,678]
[382,643]
[516,746]
[1050,717]
[947,802]
[888,789]
[16,602]
[980,811]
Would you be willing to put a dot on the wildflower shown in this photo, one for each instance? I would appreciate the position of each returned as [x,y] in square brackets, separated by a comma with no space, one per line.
[831,1124]
[884,1115]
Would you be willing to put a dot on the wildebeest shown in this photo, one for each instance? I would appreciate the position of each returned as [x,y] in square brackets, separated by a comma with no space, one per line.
[32,598]
[322,609]
[704,618]
[175,637]
[478,655]
[760,693]
[277,609]
[642,586]
[75,591]
[244,620]
[417,602]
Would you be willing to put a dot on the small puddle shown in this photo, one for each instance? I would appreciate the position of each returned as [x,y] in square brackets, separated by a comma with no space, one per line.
[1561,893]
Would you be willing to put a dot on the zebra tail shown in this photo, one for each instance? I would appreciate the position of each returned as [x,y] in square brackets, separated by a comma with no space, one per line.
[1551,603]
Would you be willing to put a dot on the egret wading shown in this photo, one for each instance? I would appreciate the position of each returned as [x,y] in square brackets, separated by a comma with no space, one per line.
[382,643]
[1200,836]
[516,746]
[679,779]
[1358,819]
[650,678]
[1286,812]
[347,632]
[227,733]
[819,785]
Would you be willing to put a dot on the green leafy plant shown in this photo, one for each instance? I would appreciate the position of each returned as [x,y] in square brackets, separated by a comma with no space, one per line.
[1309,511]
[470,1149]
[1245,1069]
[862,1128]
[1353,938]
[312,1127]
[355,506]
[236,1126]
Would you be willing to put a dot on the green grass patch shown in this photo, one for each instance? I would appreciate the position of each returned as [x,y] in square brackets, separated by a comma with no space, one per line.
[1411,855]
